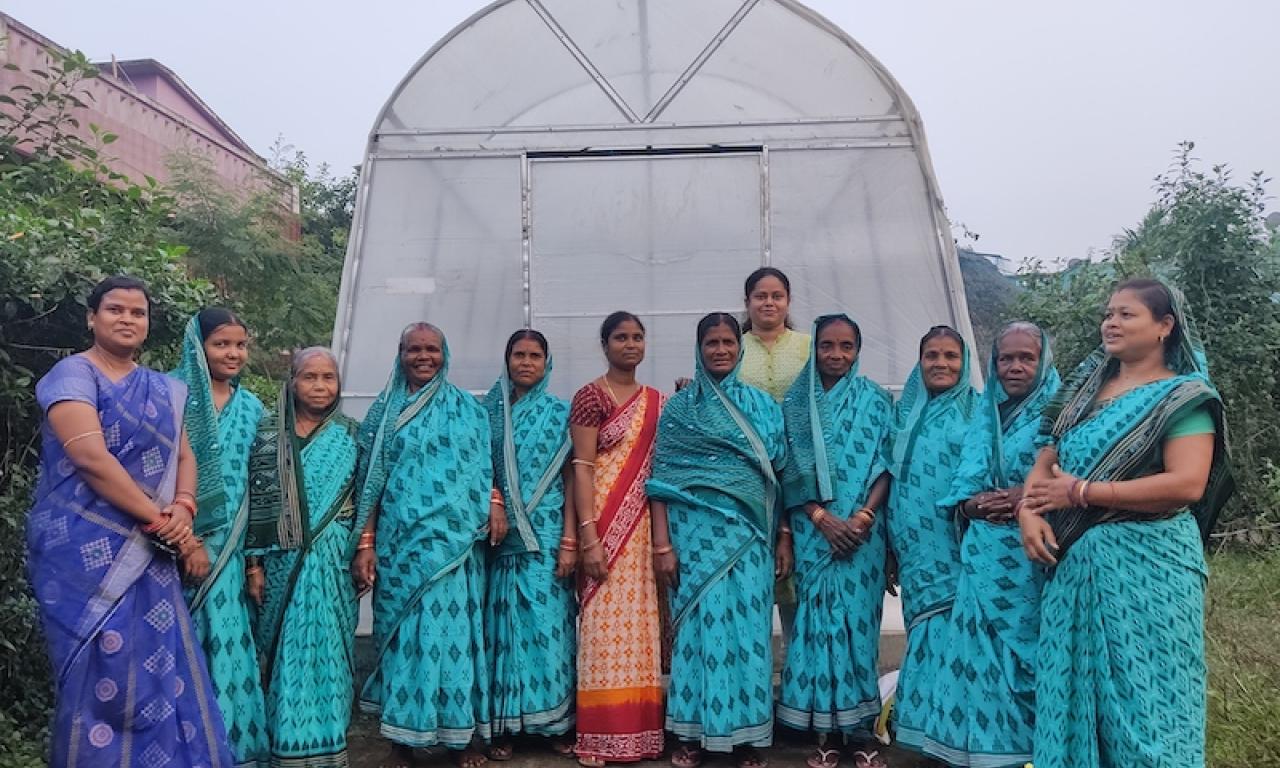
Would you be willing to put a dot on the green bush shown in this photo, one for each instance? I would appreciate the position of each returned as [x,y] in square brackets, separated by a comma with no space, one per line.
[1205,234]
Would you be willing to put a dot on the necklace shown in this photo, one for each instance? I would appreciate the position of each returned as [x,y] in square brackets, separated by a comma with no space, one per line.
[605,379]
[107,364]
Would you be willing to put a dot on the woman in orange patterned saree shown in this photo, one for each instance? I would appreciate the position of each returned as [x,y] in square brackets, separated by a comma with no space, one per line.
[613,423]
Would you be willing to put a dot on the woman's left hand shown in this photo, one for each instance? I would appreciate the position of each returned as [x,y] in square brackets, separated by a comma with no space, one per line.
[497,524]
[566,562]
[1042,496]
[784,558]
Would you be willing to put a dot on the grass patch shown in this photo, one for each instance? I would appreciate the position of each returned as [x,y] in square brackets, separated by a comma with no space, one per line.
[1242,636]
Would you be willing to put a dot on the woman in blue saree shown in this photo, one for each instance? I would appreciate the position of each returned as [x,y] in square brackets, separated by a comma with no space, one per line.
[983,710]
[1119,504]
[714,496]
[114,503]
[424,508]
[530,613]
[837,425]
[931,419]
[221,420]
[300,539]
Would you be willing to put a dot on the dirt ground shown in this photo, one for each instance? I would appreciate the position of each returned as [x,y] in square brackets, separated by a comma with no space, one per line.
[367,749]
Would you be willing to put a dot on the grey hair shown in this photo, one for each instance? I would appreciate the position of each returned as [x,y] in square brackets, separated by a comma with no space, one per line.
[1020,326]
[421,325]
[301,357]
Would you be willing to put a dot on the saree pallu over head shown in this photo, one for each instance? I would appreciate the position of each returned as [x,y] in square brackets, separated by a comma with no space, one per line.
[1002,443]
[836,437]
[1124,438]
[529,443]
[718,443]
[426,467]
[221,443]
[130,677]
[290,509]
[929,434]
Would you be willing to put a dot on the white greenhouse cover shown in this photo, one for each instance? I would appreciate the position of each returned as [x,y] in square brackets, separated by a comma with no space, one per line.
[550,161]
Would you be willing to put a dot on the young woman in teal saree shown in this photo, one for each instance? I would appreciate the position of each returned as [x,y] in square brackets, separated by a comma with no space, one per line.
[930,423]
[531,610]
[423,513]
[1119,504]
[837,425]
[222,421]
[301,517]
[714,484]
[983,710]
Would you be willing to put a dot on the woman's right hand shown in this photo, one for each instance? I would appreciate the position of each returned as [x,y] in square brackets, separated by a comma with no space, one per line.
[255,584]
[1038,540]
[195,561]
[666,569]
[364,570]
[839,534]
[591,561]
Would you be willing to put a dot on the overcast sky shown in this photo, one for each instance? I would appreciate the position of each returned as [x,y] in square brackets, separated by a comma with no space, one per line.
[1047,121]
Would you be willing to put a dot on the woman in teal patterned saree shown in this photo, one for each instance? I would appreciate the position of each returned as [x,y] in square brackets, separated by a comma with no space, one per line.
[837,425]
[1119,504]
[221,421]
[423,512]
[713,484]
[302,474]
[931,419]
[530,612]
[983,711]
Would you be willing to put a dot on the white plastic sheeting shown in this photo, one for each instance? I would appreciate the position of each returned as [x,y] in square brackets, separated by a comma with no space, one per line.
[550,161]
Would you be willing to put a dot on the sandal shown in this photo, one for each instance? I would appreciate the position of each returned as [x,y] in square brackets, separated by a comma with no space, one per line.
[869,760]
[501,751]
[561,745]
[749,757]
[686,756]
[824,758]
[591,761]
[467,758]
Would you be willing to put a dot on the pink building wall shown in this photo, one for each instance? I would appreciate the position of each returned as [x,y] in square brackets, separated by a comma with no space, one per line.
[152,112]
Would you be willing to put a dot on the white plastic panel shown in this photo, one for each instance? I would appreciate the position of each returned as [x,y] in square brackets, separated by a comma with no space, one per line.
[441,242]
[777,64]
[508,68]
[854,232]
[642,47]
[669,238]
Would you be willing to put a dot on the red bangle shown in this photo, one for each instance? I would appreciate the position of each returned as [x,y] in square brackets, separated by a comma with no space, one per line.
[186,504]
[155,526]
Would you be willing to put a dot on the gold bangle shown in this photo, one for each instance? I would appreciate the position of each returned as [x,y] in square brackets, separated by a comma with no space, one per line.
[663,550]
[364,545]
[584,463]
[80,436]
[595,543]
[817,515]
[588,521]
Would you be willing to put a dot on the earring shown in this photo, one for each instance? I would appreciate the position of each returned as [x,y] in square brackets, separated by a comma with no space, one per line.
[1161,337]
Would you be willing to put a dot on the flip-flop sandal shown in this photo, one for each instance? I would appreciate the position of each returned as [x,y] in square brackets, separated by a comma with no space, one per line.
[687,757]
[591,761]
[749,757]
[824,758]
[468,758]
[869,760]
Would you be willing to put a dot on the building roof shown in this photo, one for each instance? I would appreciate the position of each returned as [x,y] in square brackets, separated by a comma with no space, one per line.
[129,69]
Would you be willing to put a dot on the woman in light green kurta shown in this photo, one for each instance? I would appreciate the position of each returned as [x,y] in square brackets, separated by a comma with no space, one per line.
[221,421]
[302,474]
[1119,504]
[424,511]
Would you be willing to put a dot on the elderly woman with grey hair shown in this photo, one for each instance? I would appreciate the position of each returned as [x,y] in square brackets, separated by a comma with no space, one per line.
[301,535]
